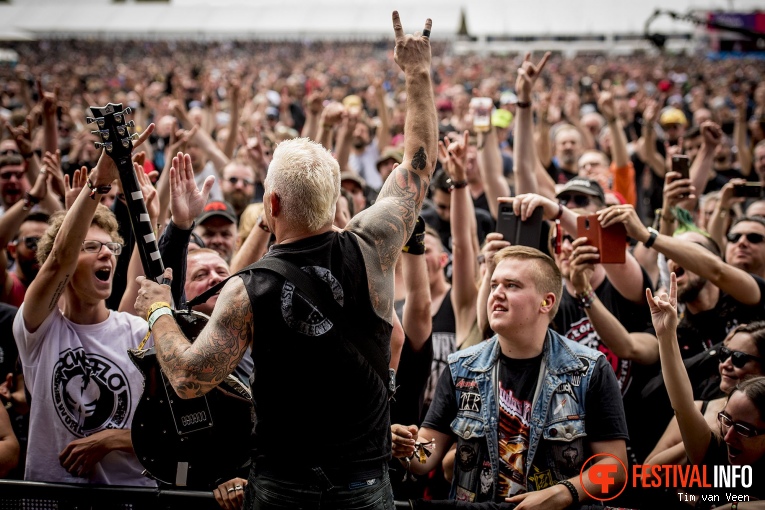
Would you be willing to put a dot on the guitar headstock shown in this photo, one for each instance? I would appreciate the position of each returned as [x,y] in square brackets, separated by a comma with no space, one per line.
[113,129]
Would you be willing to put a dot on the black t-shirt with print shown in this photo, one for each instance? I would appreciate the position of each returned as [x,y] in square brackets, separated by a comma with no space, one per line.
[698,332]
[572,322]
[517,383]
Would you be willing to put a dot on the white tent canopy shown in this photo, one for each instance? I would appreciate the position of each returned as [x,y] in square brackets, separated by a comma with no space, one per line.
[341,18]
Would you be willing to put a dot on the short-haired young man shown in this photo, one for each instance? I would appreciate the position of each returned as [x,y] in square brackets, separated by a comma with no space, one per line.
[526,408]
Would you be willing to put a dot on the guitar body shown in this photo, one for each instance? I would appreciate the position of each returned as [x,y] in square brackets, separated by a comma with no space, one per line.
[195,443]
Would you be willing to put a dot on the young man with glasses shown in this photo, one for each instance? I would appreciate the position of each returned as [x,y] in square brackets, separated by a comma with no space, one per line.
[73,349]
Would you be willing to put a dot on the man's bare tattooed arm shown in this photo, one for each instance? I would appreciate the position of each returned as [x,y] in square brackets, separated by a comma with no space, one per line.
[194,369]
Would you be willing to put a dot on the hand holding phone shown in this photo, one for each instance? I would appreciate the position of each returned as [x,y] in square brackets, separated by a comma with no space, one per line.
[517,232]
[749,190]
[610,242]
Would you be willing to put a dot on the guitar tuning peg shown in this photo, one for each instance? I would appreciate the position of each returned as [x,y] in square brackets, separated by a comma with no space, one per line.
[130,123]
[89,120]
[118,117]
[103,133]
[121,130]
[134,136]
[127,111]
[126,142]
[105,145]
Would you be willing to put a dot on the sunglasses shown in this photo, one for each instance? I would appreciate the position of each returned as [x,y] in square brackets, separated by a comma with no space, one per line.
[738,358]
[750,237]
[741,429]
[235,180]
[6,176]
[93,246]
[30,242]
[579,200]
[10,152]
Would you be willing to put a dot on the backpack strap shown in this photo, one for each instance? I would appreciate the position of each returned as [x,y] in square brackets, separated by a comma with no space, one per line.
[308,285]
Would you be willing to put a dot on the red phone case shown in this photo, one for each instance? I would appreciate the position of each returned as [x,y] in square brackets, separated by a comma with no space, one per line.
[610,241]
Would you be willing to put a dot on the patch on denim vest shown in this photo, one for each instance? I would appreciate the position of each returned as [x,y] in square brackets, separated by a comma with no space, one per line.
[467,458]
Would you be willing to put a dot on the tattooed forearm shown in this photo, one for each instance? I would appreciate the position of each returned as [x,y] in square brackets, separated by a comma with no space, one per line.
[194,369]
[420,159]
[57,293]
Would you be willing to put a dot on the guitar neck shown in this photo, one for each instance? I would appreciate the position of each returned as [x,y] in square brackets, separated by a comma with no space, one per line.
[139,218]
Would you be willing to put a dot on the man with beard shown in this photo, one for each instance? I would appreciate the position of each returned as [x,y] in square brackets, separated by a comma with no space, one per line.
[217,228]
[568,148]
[717,296]
[23,249]
[238,186]
[13,180]
[366,152]
[26,229]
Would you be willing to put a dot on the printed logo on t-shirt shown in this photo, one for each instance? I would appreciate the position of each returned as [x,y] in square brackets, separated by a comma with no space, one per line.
[443,346]
[514,417]
[582,332]
[90,392]
[300,313]
[540,479]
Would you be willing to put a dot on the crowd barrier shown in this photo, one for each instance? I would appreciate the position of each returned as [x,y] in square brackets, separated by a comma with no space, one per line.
[20,495]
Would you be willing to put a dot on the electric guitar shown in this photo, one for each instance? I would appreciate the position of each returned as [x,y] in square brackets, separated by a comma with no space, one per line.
[194,443]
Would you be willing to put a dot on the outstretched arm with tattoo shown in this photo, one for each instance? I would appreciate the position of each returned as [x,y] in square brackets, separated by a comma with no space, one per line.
[383,228]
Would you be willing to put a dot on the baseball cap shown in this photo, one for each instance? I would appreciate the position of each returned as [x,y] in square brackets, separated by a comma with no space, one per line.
[353,177]
[272,111]
[217,208]
[390,153]
[673,116]
[585,186]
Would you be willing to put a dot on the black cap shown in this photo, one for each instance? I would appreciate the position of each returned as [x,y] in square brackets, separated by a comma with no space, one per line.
[217,208]
[585,186]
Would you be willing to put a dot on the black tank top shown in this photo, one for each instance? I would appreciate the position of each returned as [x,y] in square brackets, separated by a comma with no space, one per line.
[318,401]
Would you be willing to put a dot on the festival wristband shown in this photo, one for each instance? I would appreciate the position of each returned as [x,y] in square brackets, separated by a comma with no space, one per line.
[156,306]
[157,314]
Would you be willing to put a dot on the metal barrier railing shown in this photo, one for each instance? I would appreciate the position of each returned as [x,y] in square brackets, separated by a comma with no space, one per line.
[20,495]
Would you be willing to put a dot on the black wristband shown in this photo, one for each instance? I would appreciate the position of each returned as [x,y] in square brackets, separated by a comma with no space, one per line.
[523,104]
[101,190]
[416,243]
[456,184]
[31,199]
[572,490]
[649,242]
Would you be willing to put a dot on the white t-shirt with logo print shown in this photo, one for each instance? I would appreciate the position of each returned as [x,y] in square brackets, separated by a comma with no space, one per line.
[81,382]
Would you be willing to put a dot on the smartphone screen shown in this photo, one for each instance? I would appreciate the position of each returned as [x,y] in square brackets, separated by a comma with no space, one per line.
[681,164]
[749,190]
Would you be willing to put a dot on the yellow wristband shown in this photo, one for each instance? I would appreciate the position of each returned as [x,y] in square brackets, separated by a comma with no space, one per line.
[156,306]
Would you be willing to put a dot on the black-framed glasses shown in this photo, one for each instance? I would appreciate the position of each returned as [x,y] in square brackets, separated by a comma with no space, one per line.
[235,180]
[579,200]
[742,429]
[751,237]
[738,358]
[30,242]
[93,246]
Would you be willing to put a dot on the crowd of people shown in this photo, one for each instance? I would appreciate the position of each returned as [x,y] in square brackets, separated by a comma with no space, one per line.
[369,167]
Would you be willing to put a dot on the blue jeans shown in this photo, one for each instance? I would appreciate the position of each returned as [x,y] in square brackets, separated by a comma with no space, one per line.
[267,492]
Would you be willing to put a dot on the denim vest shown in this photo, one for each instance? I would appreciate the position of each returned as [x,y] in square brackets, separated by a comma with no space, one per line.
[558,412]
